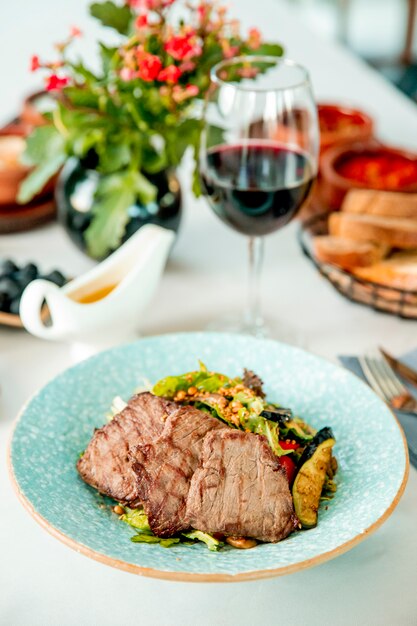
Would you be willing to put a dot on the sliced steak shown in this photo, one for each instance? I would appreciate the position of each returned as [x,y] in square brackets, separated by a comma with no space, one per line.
[240,489]
[164,468]
[105,464]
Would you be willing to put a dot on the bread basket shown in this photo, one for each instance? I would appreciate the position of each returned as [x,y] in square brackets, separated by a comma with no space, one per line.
[379,297]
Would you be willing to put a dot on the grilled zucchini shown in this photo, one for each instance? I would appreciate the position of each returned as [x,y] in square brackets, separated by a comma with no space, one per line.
[308,484]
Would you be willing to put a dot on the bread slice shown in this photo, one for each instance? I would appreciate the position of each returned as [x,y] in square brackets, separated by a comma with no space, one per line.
[387,203]
[396,232]
[399,271]
[348,253]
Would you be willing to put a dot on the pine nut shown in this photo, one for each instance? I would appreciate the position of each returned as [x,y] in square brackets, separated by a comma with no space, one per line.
[242,543]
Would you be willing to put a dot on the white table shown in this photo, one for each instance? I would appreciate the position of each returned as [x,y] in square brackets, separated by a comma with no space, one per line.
[44,583]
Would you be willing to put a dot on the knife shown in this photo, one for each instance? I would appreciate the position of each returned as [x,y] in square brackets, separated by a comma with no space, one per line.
[403,370]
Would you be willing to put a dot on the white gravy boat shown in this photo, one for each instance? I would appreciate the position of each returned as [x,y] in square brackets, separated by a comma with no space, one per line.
[133,272]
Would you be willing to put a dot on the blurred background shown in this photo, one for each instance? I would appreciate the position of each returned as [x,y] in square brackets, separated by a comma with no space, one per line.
[382,32]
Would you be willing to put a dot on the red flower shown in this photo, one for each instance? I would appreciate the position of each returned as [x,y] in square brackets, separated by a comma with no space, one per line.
[150,66]
[187,66]
[155,5]
[170,74]
[127,74]
[185,47]
[228,50]
[203,11]
[75,32]
[55,82]
[254,40]
[179,94]
[192,91]
[141,21]
[34,63]
[151,5]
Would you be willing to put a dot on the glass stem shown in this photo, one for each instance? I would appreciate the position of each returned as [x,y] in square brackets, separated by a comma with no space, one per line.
[253,317]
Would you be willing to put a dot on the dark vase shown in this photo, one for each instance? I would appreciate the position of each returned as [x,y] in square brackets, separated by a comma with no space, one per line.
[74,196]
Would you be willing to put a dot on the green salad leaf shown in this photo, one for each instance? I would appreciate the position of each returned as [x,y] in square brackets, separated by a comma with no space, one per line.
[164,543]
[202,379]
[297,429]
[248,418]
[136,518]
[213,544]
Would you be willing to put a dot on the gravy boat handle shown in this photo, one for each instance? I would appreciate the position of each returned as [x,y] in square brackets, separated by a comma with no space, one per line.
[31,309]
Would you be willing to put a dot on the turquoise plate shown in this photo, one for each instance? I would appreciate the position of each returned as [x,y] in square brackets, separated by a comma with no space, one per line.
[57,423]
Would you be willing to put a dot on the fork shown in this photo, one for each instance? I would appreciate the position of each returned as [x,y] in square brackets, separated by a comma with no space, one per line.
[387,385]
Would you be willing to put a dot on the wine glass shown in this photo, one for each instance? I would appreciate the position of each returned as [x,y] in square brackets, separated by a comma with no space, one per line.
[258,157]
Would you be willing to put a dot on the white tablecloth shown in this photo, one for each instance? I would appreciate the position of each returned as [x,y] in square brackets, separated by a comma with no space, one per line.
[43,582]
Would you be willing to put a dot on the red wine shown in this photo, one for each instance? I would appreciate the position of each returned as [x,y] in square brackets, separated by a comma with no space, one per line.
[256,188]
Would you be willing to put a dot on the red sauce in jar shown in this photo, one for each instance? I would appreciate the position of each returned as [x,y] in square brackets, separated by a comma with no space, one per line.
[379,170]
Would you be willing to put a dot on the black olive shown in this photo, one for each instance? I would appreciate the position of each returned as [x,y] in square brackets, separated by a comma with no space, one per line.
[10,288]
[4,302]
[30,269]
[56,277]
[14,306]
[22,278]
[280,415]
[7,267]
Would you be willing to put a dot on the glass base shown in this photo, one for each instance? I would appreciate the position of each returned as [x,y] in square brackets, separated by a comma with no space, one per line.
[263,329]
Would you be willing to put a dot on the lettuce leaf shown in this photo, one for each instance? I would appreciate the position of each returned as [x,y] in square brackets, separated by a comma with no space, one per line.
[136,518]
[202,379]
[299,429]
[250,417]
[213,544]
[164,543]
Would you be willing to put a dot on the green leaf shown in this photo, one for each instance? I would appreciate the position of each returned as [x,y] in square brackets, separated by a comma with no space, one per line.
[269,49]
[45,141]
[81,97]
[108,58]
[113,16]
[196,184]
[215,135]
[201,379]
[179,138]
[164,543]
[82,142]
[145,190]
[114,196]
[113,156]
[82,71]
[213,544]
[152,160]
[45,149]
[265,49]
[136,518]
[37,179]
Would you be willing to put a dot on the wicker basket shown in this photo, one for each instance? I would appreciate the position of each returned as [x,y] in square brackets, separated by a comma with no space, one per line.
[380,297]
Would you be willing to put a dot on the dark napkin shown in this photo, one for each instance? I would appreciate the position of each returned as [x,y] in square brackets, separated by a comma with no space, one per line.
[408,422]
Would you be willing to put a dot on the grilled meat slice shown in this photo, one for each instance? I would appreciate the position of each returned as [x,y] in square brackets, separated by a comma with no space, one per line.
[165,466]
[240,489]
[105,464]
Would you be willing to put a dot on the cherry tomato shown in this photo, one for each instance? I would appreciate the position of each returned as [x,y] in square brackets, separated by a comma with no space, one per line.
[289,445]
[289,466]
